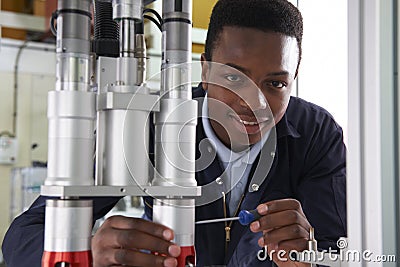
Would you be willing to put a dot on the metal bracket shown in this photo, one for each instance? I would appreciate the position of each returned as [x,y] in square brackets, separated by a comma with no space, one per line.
[172,192]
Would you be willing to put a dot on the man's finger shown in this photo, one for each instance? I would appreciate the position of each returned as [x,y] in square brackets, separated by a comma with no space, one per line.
[122,222]
[135,239]
[128,257]
[280,219]
[279,205]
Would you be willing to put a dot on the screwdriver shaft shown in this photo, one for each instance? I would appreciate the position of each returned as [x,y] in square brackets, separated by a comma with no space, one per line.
[218,220]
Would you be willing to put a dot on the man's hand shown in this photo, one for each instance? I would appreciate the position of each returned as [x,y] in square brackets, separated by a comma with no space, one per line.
[284,227]
[119,241]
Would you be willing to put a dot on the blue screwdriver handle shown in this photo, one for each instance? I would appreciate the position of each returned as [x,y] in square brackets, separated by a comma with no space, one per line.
[246,217]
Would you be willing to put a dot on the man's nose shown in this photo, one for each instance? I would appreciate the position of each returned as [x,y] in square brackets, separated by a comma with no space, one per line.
[252,98]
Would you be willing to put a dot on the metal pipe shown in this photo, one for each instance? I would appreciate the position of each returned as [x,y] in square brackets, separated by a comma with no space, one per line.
[127,37]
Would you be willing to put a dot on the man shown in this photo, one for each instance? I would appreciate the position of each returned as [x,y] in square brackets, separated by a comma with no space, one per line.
[259,43]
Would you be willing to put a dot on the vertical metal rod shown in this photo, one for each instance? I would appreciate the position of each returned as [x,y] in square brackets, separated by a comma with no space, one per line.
[396,122]
[127,37]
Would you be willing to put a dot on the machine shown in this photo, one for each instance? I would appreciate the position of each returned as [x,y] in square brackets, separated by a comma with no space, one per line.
[99,116]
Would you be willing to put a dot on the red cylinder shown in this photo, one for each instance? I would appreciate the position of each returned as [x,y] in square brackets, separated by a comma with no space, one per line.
[187,257]
[74,259]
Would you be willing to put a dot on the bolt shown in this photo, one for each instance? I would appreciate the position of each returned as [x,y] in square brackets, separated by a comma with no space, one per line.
[219,180]
[255,187]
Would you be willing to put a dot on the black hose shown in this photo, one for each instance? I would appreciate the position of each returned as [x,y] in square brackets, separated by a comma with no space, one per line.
[149,10]
[53,19]
[106,30]
[154,21]
[158,22]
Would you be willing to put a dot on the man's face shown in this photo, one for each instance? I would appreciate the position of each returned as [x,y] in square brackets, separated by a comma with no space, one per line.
[250,92]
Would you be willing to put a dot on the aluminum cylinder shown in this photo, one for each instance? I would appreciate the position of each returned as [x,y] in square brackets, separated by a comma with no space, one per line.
[127,37]
[73,28]
[175,128]
[179,215]
[171,7]
[127,9]
[175,81]
[73,45]
[177,49]
[124,157]
[73,72]
[178,39]
[175,124]
[68,225]
[72,116]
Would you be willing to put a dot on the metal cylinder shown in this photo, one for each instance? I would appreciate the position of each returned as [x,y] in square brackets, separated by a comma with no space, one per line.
[175,124]
[71,117]
[73,45]
[124,156]
[178,215]
[62,232]
[175,81]
[127,37]
[175,128]
[177,42]
[129,9]
[73,72]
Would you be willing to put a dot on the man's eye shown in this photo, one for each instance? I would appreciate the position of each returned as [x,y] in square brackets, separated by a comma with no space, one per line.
[233,78]
[277,84]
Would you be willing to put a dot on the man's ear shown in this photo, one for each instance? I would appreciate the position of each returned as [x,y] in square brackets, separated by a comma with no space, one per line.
[204,71]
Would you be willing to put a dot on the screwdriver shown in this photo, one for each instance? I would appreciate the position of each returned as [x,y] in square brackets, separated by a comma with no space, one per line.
[245,217]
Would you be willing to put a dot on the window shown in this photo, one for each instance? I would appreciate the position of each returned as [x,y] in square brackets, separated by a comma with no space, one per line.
[323,76]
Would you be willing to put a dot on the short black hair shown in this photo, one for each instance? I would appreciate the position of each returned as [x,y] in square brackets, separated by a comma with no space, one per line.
[278,16]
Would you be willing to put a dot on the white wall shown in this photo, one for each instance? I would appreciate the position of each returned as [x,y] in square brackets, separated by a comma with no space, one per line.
[36,78]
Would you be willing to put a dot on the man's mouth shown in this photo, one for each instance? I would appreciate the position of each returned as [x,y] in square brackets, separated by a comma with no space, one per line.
[249,126]
[248,122]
